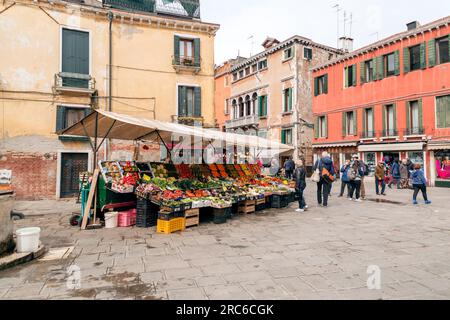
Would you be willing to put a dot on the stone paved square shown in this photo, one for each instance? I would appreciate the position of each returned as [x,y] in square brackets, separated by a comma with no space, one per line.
[278,254]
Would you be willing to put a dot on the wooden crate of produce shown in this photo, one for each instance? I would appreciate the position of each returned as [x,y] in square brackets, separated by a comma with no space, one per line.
[247,207]
[193,221]
[192,213]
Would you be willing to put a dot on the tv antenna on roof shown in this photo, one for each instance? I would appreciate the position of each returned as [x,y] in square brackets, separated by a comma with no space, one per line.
[252,44]
[338,9]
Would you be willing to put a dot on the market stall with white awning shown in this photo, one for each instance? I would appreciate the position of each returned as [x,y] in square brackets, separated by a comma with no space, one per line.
[391,147]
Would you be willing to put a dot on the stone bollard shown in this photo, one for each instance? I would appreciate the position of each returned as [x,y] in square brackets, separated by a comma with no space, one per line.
[6,224]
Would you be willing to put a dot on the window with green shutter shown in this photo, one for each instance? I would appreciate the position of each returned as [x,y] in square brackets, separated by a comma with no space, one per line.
[344,124]
[423,55]
[350,76]
[442,50]
[432,53]
[362,72]
[286,136]
[197,59]
[75,58]
[176,50]
[189,101]
[380,67]
[397,62]
[67,116]
[321,85]
[287,100]
[406,60]
[349,123]
[443,112]
[262,102]
[414,115]
[321,127]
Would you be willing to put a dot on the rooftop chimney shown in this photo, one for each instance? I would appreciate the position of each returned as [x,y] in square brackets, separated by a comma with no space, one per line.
[346,44]
[413,25]
[270,42]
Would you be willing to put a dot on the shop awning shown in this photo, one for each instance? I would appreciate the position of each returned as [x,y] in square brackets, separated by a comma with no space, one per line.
[444,145]
[334,145]
[124,127]
[391,147]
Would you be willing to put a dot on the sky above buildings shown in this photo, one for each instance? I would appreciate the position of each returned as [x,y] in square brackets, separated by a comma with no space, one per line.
[246,23]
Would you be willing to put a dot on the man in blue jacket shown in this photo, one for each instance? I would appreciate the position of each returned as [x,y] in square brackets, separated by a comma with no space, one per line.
[289,167]
[419,183]
[345,179]
[324,186]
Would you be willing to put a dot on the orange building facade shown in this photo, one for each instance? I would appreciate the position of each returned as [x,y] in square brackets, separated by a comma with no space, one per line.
[389,100]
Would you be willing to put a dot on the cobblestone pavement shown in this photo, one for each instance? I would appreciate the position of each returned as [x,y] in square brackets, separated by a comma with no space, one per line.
[278,254]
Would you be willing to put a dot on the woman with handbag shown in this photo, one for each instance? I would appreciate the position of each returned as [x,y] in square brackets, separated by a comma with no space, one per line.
[323,176]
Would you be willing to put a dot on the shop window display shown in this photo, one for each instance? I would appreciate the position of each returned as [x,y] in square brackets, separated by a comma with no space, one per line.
[443,164]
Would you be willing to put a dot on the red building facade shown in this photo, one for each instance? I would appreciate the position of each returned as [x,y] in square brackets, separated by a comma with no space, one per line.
[389,100]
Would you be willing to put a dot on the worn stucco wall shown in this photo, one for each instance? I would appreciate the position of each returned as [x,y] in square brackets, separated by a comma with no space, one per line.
[6,225]
[30,56]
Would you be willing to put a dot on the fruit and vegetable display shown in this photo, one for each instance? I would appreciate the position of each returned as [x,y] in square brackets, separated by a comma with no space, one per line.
[111,171]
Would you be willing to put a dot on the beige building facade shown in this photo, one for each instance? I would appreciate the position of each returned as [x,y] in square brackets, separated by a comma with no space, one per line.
[59,59]
[271,94]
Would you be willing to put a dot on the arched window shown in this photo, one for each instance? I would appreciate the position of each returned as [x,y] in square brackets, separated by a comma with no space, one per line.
[254,103]
[241,107]
[234,109]
[248,106]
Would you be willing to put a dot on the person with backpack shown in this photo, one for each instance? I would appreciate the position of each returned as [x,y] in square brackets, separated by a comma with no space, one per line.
[395,174]
[324,176]
[365,170]
[344,179]
[356,173]
[299,177]
[419,184]
[289,167]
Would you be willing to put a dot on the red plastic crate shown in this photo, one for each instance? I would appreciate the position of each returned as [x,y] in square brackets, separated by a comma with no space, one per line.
[127,218]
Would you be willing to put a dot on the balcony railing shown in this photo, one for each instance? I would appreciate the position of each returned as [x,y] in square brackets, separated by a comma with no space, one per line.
[414,132]
[188,120]
[368,134]
[389,133]
[247,121]
[184,8]
[186,63]
[74,82]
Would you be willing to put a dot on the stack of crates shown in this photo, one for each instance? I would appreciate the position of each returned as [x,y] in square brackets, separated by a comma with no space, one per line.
[147,213]
[280,201]
[171,226]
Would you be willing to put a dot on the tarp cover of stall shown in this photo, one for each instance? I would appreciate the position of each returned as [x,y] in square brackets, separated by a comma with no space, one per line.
[124,127]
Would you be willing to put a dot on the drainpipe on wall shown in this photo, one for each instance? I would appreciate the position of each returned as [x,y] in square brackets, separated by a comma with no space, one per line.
[110,19]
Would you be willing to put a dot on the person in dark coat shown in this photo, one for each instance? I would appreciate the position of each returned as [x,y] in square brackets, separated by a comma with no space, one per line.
[299,177]
[344,179]
[395,172]
[324,186]
[289,167]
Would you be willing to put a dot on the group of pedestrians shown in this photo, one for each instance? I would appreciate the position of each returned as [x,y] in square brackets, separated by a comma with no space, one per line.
[353,174]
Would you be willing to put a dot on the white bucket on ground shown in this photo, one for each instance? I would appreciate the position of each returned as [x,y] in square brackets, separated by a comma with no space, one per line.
[111,220]
[28,239]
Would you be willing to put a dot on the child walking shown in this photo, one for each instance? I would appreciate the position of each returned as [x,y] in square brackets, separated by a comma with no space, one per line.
[419,183]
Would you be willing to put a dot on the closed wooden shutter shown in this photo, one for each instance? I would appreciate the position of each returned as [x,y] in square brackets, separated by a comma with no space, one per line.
[346,77]
[423,55]
[325,83]
[316,86]
[406,60]
[260,108]
[197,60]
[384,119]
[290,95]
[443,112]
[60,118]
[176,50]
[354,80]
[316,127]
[432,53]
[380,68]
[397,62]
[344,124]
[182,101]
[374,72]
[197,102]
[283,136]
[408,114]
[75,51]
[395,117]
[420,114]
[326,126]
[355,122]
[362,72]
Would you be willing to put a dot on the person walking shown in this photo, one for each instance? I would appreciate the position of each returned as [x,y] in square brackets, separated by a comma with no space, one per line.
[380,175]
[395,174]
[344,179]
[324,184]
[289,167]
[299,177]
[419,184]
[355,174]
[404,175]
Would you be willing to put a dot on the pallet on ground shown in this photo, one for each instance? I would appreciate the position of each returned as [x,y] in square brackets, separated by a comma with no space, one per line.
[247,207]
[174,225]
